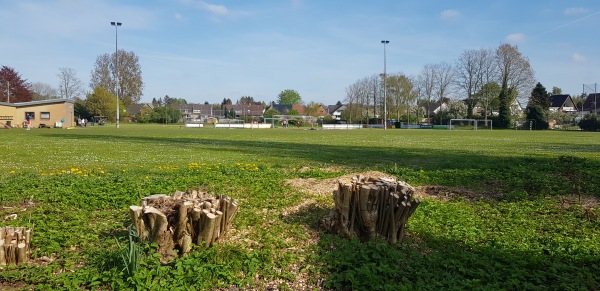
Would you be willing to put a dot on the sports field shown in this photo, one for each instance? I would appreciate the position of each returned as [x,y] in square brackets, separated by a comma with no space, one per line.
[509,210]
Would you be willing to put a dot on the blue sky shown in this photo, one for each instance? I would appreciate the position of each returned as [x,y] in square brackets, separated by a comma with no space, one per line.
[210,50]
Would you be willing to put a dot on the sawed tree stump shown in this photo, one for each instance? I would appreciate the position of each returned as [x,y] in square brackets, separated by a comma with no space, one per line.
[15,245]
[369,207]
[175,222]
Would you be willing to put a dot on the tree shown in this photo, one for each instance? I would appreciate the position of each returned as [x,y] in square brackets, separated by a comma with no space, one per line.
[12,87]
[270,113]
[426,85]
[70,86]
[443,78]
[538,106]
[400,94]
[590,122]
[246,100]
[539,115]
[515,75]
[165,114]
[101,103]
[129,73]
[359,97]
[556,91]
[539,96]
[80,110]
[289,97]
[42,91]
[168,101]
[312,109]
[456,109]
[473,70]
[488,97]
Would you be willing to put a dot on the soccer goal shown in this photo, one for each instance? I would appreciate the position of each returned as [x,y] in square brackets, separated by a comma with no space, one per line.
[469,124]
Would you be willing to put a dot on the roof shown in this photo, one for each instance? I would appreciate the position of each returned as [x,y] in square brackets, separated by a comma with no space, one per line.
[333,108]
[282,108]
[591,102]
[134,109]
[558,100]
[39,102]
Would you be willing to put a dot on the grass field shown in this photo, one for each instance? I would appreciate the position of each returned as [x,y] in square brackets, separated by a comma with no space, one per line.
[534,232]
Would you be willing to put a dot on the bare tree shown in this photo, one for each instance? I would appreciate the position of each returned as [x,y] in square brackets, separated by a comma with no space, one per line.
[514,69]
[443,78]
[70,86]
[426,85]
[42,91]
[129,73]
[516,77]
[473,69]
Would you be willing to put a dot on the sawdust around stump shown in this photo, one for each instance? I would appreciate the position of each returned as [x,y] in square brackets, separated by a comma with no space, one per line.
[326,187]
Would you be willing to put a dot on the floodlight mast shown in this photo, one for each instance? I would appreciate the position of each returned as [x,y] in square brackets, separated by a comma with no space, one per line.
[384,42]
[116,25]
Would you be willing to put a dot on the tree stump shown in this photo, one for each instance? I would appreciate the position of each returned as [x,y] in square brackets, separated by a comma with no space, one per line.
[371,207]
[15,245]
[175,222]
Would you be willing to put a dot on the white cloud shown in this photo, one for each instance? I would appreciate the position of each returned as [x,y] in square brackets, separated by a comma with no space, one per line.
[576,11]
[450,14]
[216,9]
[577,58]
[178,16]
[515,37]
[212,8]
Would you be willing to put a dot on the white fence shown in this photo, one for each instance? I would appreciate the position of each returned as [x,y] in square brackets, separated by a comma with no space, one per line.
[243,125]
[342,126]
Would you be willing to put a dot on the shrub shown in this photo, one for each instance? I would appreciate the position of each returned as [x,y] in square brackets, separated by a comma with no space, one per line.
[589,122]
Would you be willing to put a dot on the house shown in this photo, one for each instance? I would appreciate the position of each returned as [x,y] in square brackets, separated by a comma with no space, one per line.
[591,103]
[562,103]
[336,110]
[255,110]
[135,109]
[198,111]
[432,108]
[49,113]
[515,107]
[283,109]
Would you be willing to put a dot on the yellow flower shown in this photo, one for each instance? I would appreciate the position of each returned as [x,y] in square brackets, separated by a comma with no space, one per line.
[12,171]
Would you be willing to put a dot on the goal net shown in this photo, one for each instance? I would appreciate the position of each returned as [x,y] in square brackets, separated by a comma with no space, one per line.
[469,124]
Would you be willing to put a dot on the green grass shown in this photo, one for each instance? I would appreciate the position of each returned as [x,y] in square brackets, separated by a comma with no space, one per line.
[76,185]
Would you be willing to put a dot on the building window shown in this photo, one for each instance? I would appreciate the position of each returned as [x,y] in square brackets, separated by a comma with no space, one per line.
[31,115]
[44,115]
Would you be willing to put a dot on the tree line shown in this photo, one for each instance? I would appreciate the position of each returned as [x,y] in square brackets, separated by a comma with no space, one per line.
[488,78]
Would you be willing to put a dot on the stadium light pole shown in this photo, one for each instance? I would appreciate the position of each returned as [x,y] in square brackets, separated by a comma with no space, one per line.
[384,42]
[116,25]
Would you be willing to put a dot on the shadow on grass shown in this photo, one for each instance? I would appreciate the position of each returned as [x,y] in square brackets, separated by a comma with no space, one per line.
[425,261]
